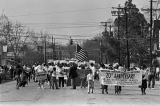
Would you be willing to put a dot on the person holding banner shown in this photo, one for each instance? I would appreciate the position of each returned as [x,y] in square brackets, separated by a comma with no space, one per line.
[104,87]
[144,80]
[118,67]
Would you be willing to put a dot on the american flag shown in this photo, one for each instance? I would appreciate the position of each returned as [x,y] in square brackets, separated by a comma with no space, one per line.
[81,55]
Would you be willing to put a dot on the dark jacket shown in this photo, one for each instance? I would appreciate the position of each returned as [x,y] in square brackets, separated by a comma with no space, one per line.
[73,72]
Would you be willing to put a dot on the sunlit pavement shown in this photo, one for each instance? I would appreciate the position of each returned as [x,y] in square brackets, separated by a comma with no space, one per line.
[32,95]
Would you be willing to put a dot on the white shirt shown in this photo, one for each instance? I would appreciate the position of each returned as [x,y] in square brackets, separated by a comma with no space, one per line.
[50,68]
[90,77]
[54,74]
[93,70]
[40,70]
[59,70]
[157,69]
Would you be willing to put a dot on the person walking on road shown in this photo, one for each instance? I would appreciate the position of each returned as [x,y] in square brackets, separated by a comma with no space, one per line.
[18,72]
[144,80]
[83,77]
[151,77]
[60,71]
[92,67]
[103,86]
[90,79]
[73,75]
[53,79]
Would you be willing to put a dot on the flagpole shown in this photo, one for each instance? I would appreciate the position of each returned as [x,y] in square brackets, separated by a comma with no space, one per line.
[76,48]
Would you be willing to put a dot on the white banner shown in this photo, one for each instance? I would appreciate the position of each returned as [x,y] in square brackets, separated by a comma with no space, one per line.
[128,78]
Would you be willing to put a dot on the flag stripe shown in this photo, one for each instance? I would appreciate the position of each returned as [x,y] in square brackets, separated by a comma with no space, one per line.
[81,55]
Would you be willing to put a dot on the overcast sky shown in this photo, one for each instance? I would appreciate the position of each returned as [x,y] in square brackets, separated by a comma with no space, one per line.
[68,17]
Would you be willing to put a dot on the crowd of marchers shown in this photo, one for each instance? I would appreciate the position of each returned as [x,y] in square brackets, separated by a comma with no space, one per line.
[59,75]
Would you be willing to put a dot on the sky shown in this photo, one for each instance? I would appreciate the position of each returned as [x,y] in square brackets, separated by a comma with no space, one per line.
[76,18]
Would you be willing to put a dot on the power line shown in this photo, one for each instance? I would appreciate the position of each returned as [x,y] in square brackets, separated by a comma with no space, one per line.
[53,27]
[58,12]
[53,23]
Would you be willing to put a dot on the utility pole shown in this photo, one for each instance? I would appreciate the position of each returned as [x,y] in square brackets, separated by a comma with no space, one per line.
[45,57]
[128,53]
[110,27]
[118,13]
[126,28]
[100,58]
[71,42]
[151,26]
[53,48]
[151,32]
[105,24]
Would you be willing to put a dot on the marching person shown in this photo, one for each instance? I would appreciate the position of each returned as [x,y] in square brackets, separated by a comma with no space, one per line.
[144,80]
[45,67]
[157,72]
[60,71]
[50,71]
[73,75]
[65,75]
[18,72]
[23,78]
[90,79]
[104,87]
[118,67]
[53,79]
[92,67]
[11,70]
[151,77]
[83,77]
[117,88]
[40,69]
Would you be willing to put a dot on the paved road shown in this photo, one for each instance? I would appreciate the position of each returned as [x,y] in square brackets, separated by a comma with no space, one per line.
[32,95]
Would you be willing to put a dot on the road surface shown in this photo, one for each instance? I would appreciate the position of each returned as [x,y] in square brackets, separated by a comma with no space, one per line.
[31,95]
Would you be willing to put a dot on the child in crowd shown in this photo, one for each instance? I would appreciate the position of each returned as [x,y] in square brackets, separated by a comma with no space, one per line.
[90,79]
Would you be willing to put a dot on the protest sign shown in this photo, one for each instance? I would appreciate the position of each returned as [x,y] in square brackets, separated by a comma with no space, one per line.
[41,76]
[128,78]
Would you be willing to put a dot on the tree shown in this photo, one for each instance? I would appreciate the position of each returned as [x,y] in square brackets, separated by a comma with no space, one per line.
[93,49]
[14,35]
[137,32]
